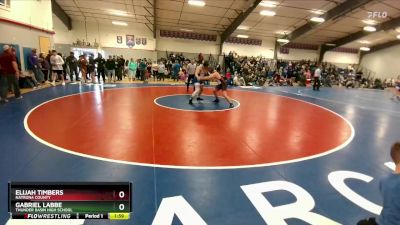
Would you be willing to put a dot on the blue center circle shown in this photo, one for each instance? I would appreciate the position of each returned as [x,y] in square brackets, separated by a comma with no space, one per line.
[181,102]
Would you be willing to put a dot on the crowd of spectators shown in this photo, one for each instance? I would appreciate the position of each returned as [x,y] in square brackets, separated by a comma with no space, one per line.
[55,67]
[259,71]
[238,70]
[176,65]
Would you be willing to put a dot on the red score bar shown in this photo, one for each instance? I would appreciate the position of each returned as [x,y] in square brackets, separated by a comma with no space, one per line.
[74,191]
[87,195]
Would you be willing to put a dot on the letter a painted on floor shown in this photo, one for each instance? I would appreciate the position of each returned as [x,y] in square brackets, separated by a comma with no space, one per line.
[181,208]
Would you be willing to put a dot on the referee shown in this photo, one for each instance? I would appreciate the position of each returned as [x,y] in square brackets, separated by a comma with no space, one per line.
[191,68]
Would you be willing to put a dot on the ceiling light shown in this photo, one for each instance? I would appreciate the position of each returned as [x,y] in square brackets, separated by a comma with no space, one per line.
[364,42]
[317,19]
[187,30]
[398,29]
[242,36]
[270,4]
[369,28]
[366,49]
[330,44]
[267,13]
[243,28]
[317,11]
[369,22]
[197,2]
[117,12]
[119,23]
[282,32]
[282,40]
[398,36]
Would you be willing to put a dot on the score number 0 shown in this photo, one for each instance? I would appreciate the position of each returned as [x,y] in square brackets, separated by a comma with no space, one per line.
[121,195]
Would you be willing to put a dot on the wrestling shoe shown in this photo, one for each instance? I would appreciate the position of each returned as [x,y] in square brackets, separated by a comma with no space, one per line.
[231,105]
[216,100]
[190,101]
[200,99]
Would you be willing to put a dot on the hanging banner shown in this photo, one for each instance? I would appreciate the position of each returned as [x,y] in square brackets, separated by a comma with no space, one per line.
[144,41]
[138,41]
[130,41]
[119,39]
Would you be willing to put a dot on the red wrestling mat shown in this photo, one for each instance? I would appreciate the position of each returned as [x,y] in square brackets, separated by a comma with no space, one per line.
[126,125]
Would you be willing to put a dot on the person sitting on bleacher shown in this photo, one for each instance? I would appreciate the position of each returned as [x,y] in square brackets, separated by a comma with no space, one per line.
[389,188]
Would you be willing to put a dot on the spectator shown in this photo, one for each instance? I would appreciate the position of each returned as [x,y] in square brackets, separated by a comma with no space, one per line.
[143,67]
[110,69]
[91,69]
[33,66]
[155,70]
[126,68]
[168,66]
[181,58]
[132,66]
[57,67]
[45,67]
[200,58]
[120,67]
[116,58]
[396,90]
[389,188]
[138,69]
[28,81]
[148,69]
[64,67]
[182,75]
[83,63]
[161,71]
[228,77]
[72,64]
[307,75]
[9,74]
[101,62]
[176,67]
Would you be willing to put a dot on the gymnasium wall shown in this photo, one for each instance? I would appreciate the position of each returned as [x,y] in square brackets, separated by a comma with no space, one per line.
[11,34]
[299,54]
[104,34]
[131,53]
[189,46]
[30,12]
[63,35]
[63,48]
[341,59]
[385,63]
[207,47]
[18,23]
[265,50]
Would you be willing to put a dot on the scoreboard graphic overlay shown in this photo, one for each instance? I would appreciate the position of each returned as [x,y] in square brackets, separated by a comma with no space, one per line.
[61,200]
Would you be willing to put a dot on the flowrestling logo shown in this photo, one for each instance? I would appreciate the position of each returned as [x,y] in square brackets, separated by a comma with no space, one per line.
[377,14]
